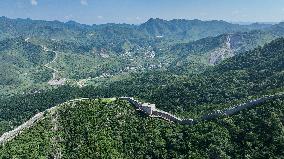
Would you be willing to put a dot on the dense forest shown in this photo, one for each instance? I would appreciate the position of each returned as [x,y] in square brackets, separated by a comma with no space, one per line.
[114,129]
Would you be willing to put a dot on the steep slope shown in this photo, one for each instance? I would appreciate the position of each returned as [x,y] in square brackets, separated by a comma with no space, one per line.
[199,54]
[38,28]
[177,29]
[90,52]
[22,53]
[277,29]
[18,108]
[252,74]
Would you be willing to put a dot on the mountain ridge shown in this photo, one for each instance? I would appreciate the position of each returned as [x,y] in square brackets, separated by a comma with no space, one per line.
[58,147]
[158,113]
[176,28]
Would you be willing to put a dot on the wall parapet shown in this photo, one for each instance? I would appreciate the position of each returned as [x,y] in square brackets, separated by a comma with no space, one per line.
[156,113]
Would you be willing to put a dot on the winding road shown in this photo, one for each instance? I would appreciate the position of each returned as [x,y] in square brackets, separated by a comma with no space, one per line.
[56,80]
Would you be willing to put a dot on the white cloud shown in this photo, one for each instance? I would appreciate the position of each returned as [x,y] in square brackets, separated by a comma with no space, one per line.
[100,17]
[34,2]
[84,2]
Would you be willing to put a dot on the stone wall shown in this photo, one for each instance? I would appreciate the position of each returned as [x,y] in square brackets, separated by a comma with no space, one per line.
[240,107]
[156,113]
[31,122]
[166,116]
[218,113]
[12,134]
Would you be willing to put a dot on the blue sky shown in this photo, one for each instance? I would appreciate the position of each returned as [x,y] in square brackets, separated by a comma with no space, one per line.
[138,11]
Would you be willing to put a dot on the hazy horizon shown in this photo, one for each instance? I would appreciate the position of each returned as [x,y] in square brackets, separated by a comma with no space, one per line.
[137,12]
[232,22]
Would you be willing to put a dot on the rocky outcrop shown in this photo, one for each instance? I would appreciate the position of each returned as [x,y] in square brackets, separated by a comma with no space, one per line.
[221,53]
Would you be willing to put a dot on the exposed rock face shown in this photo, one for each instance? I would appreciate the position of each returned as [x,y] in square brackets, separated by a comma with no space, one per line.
[222,53]
[57,82]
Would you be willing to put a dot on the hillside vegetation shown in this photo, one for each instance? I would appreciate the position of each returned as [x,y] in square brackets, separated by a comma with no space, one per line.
[114,129]
[241,78]
[22,65]
[93,53]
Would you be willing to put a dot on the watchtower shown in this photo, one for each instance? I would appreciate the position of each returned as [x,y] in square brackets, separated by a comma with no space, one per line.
[148,108]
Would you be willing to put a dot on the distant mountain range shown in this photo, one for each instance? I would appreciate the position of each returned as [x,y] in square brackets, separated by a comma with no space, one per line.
[179,29]
[179,45]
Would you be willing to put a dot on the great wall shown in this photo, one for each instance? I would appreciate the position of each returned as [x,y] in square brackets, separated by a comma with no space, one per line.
[237,108]
[31,122]
[152,111]
[149,109]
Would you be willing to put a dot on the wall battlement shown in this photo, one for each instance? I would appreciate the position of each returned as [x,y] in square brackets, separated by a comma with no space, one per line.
[152,111]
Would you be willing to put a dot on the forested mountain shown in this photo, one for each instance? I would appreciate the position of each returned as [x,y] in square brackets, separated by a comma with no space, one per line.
[22,65]
[193,29]
[213,50]
[114,129]
[252,73]
[86,51]
[177,29]
[186,67]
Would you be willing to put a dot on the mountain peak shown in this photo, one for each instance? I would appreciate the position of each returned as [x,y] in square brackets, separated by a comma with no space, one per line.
[155,20]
